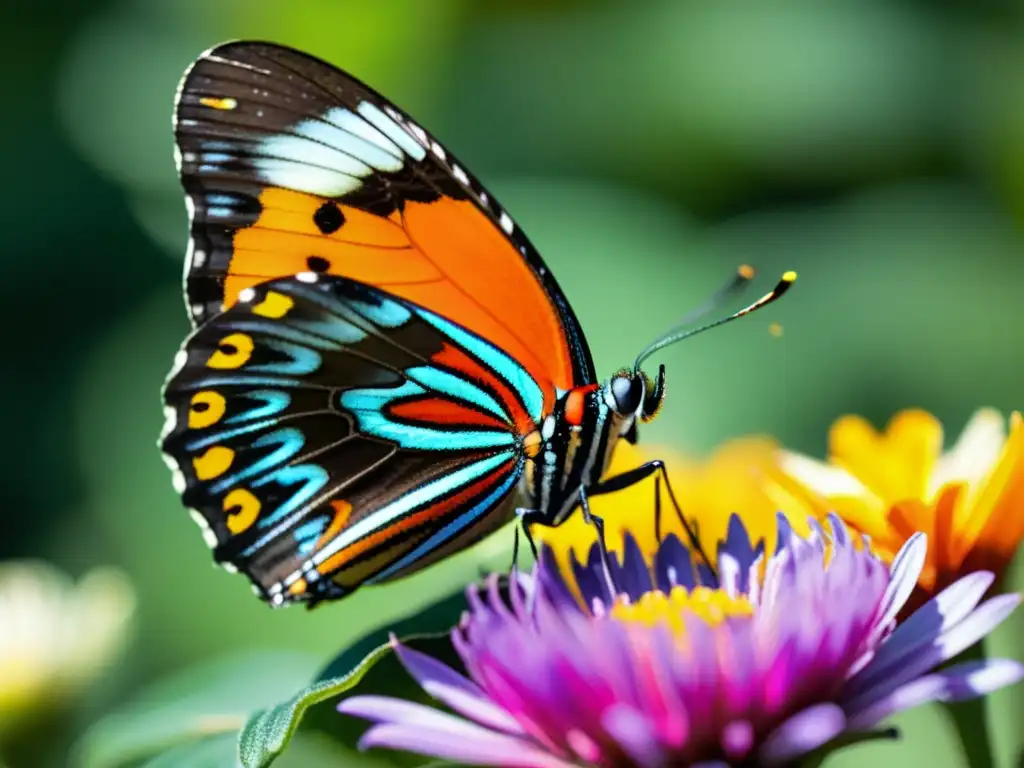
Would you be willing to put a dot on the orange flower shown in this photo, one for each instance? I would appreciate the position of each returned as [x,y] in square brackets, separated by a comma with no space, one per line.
[740,476]
[968,500]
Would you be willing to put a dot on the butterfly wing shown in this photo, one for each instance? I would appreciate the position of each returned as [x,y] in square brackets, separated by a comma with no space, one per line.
[291,165]
[328,434]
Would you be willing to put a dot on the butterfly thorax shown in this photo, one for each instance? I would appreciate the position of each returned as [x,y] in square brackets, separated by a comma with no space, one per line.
[576,444]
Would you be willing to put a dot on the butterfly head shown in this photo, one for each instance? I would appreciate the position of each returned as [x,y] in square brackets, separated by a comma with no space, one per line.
[633,395]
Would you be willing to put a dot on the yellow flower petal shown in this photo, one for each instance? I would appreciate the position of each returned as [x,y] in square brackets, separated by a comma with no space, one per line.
[895,464]
[892,484]
[740,477]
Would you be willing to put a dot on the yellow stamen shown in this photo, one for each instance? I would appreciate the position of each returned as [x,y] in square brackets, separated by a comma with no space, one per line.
[656,608]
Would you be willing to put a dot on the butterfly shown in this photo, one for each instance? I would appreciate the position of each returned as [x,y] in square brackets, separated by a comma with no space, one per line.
[382,369]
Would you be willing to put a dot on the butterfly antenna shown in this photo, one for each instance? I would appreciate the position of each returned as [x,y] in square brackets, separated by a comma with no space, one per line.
[739,280]
[736,284]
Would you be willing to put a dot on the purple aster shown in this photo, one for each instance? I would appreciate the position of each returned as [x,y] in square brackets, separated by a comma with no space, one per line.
[668,664]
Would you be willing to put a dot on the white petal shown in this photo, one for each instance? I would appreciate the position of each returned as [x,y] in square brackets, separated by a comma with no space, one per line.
[821,477]
[975,451]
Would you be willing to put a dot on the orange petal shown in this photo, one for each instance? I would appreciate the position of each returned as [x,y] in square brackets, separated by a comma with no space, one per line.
[995,523]
[910,516]
[944,547]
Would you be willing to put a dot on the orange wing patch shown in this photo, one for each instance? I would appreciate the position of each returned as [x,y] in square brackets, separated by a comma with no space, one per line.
[436,410]
[446,255]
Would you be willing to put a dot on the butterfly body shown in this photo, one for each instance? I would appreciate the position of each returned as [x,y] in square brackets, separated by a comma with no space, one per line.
[382,369]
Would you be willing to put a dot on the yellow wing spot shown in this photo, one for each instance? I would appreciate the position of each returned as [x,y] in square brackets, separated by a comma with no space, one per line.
[214,463]
[297,587]
[233,351]
[215,103]
[789,277]
[243,508]
[274,305]
[207,407]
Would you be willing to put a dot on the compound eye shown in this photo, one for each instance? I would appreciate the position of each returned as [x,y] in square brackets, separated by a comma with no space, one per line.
[628,391]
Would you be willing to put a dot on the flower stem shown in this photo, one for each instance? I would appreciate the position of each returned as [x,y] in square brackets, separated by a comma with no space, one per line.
[971,719]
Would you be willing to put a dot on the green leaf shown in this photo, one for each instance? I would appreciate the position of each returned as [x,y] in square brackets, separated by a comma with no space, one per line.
[208,700]
[370,662]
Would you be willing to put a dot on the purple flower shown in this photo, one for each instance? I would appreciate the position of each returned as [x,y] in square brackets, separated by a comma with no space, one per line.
[671,664]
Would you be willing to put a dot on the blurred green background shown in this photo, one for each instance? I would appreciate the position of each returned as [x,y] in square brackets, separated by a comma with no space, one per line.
[647,147]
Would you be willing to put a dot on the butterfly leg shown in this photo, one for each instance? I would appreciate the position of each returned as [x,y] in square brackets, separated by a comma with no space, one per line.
[591,519]
[525,518]
[638,474]
[657,508]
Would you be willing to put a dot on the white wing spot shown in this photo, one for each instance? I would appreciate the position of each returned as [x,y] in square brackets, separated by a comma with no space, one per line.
[307,277]
[170,461]
[359,138]
[170,422]
[420,134]
[208,535]
[391,129]
[246,295]
[460,174]
[438,150]
[180,358]
[239,64]
[506,223]
[547,429]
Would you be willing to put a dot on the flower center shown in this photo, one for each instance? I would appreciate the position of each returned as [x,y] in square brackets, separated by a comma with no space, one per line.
[712,606]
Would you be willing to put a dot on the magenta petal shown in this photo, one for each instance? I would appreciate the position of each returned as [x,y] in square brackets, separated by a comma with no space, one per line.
[635,734]
[802,733]
[447,686]
[481,748]
[961,681]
